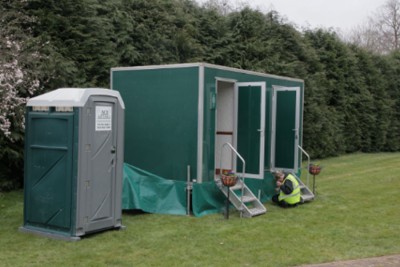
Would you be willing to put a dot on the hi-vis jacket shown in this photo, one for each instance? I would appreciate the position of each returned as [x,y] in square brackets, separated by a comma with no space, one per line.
[290,190]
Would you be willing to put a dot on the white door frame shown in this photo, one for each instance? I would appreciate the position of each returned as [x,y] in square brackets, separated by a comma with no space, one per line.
[217,149]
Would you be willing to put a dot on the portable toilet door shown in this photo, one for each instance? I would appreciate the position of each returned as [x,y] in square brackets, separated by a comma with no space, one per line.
[98,184]
[73,162]
[240,121]
[285,128]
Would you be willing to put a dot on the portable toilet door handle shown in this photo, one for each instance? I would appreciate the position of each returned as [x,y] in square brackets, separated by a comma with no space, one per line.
[113,150]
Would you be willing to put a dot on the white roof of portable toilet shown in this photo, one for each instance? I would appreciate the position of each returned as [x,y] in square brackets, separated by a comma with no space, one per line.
[71,97]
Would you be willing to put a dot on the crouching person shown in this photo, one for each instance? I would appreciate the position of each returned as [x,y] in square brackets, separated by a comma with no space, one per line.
[288,190]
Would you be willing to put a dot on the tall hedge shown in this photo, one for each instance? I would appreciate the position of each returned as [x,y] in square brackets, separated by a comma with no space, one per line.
[352,97]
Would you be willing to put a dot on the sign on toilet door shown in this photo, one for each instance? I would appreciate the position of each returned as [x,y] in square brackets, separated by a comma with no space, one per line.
[103,118]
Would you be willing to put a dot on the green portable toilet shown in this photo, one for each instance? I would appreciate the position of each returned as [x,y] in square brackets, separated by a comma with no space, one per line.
[73,162]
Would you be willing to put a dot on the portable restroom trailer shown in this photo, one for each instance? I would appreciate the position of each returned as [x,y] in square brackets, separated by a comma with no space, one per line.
[179,116]
[73,162]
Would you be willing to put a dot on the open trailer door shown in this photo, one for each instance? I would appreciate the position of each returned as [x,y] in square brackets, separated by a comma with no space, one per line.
[285,128]
[251,127]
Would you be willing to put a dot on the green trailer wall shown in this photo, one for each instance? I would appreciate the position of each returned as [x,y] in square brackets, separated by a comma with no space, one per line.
[161,119]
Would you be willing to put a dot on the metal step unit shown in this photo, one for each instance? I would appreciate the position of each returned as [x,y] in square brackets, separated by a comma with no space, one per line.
[240,195]
[306,193]
[243,199]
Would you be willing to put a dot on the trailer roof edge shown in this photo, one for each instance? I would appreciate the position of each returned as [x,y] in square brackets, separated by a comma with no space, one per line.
[188,65]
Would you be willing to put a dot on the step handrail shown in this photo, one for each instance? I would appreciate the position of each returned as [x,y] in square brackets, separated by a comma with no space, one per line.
[308,164]
[243,170]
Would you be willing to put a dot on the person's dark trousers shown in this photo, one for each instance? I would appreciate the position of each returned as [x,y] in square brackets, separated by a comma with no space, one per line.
[282,203]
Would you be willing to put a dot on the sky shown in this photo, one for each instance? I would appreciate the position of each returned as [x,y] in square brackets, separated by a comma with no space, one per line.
[336,14]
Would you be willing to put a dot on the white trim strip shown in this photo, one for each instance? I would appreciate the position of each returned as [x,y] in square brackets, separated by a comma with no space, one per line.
[200,124]
[153,67]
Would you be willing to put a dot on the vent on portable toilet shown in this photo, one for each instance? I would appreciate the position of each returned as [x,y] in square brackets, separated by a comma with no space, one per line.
[64,109]
[40,108]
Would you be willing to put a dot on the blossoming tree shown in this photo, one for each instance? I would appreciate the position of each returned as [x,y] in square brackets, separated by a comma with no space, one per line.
[19,80]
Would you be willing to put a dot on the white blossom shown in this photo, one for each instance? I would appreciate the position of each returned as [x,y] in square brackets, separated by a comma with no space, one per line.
[13,78]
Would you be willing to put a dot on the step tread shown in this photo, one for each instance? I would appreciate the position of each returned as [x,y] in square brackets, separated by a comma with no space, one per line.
[237,186]
[257,211]
[247,199]
[307,197]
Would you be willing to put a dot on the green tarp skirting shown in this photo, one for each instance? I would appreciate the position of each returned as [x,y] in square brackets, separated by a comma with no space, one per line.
[151,193]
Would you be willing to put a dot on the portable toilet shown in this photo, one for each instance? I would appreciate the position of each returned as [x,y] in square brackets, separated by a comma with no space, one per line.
[179,117]
[73,162]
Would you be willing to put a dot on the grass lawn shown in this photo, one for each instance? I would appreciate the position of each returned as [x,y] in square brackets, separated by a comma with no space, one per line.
[356,214]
